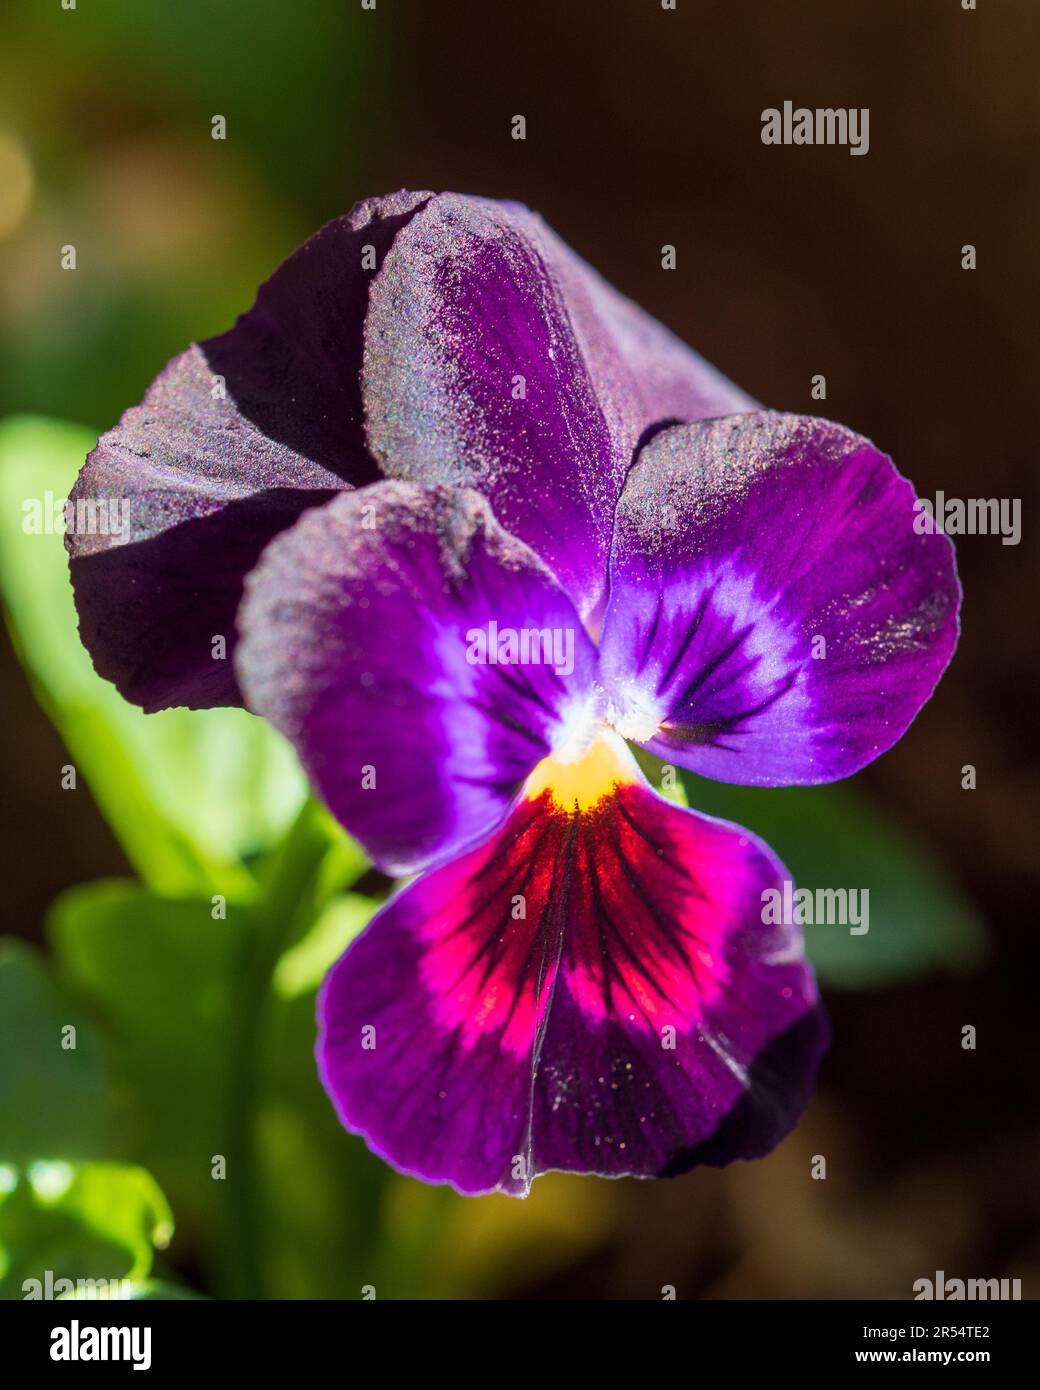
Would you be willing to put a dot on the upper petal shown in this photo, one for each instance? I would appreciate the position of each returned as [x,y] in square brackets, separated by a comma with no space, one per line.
[497,359]
[420,658]
[775,615]
[234,438]
[593,989]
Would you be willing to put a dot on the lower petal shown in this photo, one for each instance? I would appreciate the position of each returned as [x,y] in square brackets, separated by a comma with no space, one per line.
[430,1021]
[593,989]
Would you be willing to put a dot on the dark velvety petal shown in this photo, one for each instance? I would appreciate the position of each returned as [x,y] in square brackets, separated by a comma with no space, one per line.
[593,989]
[495,358]
[234,439]
[775,616]
[376,635]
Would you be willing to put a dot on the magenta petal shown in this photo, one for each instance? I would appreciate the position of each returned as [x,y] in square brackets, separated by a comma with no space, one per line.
[357,641]
[234,439]
[496,358]
[593,989]
[428,1024]
[775,616]
[683,1029]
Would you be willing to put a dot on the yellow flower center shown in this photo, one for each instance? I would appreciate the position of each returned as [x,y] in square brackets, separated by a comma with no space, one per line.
[579,785]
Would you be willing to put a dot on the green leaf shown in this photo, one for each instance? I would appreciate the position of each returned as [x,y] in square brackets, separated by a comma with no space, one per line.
[162,972]
[50,1066]
[324,1192]
[302,968]
[189,793]
[834,837]
[177,989]
[133,1290]
[98,1221]
[159,1289]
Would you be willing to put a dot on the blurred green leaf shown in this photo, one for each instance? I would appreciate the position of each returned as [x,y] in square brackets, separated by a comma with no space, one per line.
[190,794]
[834,837]
[177,229]
[96,1221]
[50,1090]
[323,1190]
[155,1289]
[302,968]
[136,1291]
[175,987]
[162,973]
[174,62]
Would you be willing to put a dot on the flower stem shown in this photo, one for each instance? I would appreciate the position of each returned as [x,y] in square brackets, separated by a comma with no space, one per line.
[288,893]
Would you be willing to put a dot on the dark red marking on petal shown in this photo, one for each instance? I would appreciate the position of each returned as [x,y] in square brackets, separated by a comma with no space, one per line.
[593,989]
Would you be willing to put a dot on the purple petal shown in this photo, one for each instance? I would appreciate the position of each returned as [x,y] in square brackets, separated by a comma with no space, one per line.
[593,989]
[775,618]
[361,639]
[455,988]
[234,439]
[495,358]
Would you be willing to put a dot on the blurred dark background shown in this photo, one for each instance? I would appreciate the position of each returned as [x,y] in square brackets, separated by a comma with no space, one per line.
[643,128]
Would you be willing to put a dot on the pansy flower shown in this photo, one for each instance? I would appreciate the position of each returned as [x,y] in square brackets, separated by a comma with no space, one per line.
[473,523]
